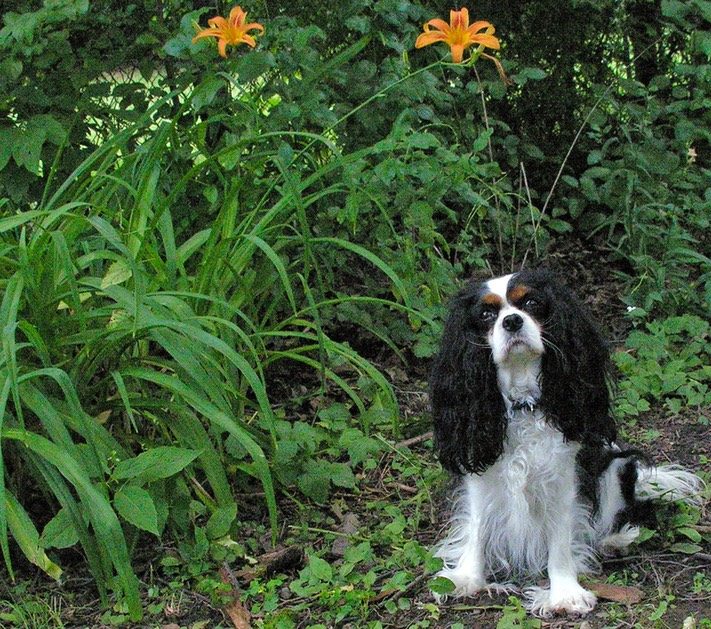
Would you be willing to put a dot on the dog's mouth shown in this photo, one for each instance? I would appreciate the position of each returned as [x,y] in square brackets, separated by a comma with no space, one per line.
[520,344]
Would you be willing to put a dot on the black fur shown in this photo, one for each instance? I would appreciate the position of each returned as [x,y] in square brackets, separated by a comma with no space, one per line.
[467,407]
[594,461]
[576,364]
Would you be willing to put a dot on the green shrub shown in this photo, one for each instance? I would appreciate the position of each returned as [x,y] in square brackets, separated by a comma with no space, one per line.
[667,362]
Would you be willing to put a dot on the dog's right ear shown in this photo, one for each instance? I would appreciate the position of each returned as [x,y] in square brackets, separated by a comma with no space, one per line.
[467,407]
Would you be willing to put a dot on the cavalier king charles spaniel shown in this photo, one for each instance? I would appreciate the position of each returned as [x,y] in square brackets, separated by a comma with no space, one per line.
[521,410]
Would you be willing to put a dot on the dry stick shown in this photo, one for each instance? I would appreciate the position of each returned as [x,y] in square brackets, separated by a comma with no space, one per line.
[414,440]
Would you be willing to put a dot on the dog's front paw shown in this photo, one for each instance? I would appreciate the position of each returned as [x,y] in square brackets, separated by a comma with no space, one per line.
[571,599]
[465,584]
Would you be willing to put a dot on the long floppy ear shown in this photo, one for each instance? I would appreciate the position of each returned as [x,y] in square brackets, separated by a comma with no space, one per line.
[576,367]
[467,407]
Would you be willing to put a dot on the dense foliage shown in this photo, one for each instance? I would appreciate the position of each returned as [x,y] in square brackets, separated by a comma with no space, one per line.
[183,236]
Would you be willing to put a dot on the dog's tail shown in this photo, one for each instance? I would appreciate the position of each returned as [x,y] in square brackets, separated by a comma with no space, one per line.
[629,486]
[669,482]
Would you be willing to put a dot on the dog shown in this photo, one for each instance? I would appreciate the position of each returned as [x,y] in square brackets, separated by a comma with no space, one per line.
[520,402]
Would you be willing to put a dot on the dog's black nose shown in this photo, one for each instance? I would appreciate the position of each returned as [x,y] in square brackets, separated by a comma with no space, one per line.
[512,323]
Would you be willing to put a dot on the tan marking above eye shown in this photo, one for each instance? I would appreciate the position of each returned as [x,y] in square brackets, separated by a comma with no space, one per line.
[517,293]
[492,299]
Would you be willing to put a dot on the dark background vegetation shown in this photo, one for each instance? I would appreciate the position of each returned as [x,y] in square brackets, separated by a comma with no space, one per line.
[222,275]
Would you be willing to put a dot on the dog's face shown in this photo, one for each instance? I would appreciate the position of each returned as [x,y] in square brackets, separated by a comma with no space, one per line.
[511,315]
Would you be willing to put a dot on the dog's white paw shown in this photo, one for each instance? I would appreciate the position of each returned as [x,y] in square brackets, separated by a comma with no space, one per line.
[572,599]
[618,542]
[465,584]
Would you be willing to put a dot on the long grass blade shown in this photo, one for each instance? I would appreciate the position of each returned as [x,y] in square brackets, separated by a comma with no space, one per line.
[103,518]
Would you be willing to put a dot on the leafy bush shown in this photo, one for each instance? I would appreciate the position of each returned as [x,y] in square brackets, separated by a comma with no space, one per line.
[120,338]
[667,361]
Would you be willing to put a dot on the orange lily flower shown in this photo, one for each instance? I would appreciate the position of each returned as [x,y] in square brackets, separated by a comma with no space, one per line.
[458,34]
[231,31]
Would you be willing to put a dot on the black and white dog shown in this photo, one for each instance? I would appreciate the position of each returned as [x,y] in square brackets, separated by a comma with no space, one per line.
[521,410]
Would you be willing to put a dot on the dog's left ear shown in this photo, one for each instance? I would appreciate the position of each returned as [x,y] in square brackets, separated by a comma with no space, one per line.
[576,367]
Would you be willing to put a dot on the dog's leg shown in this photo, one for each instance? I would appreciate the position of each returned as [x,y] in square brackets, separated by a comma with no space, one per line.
[565,594]
[463,549]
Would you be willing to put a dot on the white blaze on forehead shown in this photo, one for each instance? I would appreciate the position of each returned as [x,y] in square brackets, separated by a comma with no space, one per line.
[498,285]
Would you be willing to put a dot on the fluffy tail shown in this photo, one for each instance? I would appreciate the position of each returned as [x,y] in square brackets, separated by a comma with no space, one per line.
[670,482]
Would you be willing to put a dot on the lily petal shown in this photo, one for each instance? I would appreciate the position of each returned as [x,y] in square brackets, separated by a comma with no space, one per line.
[477,26]
[208,32]
[457,52]
[237,16]
[486,40]
[439,24]
[249,27]
[218,22]
[459,19]
[429,38]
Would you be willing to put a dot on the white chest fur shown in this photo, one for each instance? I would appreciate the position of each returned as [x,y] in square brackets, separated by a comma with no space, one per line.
[524,492]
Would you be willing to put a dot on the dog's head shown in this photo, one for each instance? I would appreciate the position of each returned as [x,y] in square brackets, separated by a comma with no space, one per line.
[525,323]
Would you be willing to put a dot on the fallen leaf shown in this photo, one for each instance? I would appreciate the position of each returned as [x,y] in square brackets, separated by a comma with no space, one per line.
[349,526]
[616,593]
[239,615]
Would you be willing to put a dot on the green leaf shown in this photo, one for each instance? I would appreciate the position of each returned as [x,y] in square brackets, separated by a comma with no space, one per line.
[160,462]
[27,537]
[320,569]
[359,447]
[118,272]
[60,532]
[27,153]
[441,585]
[206,92]
[135,505]
[686,547]
[221,521]
[315,482]
[537,74]
[692,534]
[342,475]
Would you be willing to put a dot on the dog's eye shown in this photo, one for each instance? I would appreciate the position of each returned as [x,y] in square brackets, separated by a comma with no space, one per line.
[488,316]
[532,305]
